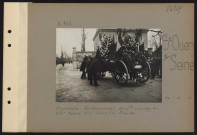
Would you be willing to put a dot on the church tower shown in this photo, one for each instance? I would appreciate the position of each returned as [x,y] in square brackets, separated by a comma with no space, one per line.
[83,40]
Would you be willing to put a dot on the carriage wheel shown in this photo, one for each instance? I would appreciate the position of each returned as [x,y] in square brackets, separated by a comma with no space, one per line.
[121,73]
[146,72]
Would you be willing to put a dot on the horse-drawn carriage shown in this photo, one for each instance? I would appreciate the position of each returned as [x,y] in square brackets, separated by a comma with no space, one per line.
[128,63]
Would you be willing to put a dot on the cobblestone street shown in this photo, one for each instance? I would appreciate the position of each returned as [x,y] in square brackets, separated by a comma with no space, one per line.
[71,88]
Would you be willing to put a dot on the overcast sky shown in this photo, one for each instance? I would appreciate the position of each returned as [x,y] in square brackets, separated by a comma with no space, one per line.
[67,38]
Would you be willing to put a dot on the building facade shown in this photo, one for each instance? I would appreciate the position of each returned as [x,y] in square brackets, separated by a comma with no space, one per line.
[78,56]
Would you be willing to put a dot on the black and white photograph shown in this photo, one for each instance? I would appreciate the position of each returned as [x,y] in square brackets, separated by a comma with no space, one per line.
[109,65]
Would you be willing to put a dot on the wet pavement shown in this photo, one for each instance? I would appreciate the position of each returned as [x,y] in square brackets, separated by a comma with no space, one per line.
[71,88]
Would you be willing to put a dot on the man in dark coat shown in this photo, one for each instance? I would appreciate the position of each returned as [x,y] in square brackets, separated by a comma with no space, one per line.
[93,68]
[89,64]
[153,67]
[158,67]
[82,68]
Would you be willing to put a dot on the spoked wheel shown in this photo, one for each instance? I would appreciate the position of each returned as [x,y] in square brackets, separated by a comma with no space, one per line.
[146,72]
[120,73]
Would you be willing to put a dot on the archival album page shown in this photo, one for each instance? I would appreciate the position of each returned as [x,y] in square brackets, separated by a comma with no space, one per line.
[99,67]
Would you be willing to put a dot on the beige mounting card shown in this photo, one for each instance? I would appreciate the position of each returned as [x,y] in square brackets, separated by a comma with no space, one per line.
[15,67]
[29,69]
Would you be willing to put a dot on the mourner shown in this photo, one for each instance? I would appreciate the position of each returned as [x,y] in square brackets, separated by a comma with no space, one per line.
[83,67]
[158,67]
[92,70]
[153,66]
[89,62]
